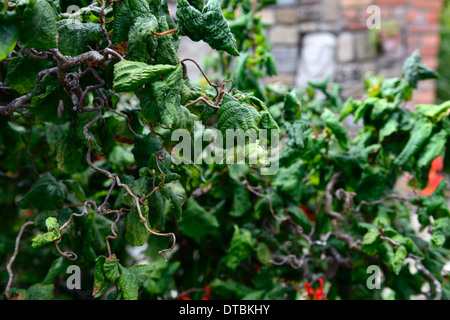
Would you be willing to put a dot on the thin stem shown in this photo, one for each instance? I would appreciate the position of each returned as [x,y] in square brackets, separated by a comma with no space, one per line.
[165,33]
[13,257]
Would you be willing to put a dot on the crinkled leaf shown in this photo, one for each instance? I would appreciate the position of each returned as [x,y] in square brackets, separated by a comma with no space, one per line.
[292,106]
[241,201]
[164,102]
[132,279]
[136,234]
[112,268]
[40,291]
[39,27]
[47,193]
[50,236]
[101,283]
[126,13]
[441,231]
[166,53]
[22,71]
[420,133]
[414,70]
[130,75]
[141,43]
[432,149]
[338,129]
[144,147]
[399,258]
[175,203]
[68,155]
[433,111]
[208,25]
[370,237]
[73,41]
[234,115]
[241,247]
[197,223]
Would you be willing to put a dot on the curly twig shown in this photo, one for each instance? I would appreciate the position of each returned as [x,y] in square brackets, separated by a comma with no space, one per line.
[13,257]
[329,197]
[436,287]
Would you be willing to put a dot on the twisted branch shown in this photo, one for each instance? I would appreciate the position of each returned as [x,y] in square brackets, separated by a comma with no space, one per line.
[13,257]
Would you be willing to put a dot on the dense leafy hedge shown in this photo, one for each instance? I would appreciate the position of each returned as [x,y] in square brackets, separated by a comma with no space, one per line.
[87,112]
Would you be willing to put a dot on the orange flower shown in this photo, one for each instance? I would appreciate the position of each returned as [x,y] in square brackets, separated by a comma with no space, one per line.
[308,214]
[434,177]
[317,294]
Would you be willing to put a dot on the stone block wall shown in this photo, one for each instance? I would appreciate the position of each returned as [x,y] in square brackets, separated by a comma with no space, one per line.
[315,38]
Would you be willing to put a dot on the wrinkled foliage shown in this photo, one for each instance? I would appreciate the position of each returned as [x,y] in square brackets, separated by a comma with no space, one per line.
[85,133]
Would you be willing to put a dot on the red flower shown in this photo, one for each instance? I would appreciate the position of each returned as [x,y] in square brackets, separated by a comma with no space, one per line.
[317,294]
[434,177]
[308,214]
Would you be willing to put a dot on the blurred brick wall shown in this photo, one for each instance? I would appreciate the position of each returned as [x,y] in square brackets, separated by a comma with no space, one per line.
[406,25]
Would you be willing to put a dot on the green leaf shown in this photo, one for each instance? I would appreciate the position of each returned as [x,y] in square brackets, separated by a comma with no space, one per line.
[112,268]
[432,149]
[164,102]
[263,254]
[166,53]
[101,283]
[241,201]
[45,99]
[391,126]
[399,258]
[300,217]
[126,13]
[10,35]
[45,194]
[234,115]
[338,129]
[132,279]
[73,41]
[130,75]
[141,43]
[419,134]
[208,25]
[441,230]
[136,234]
[40,291]
[371,236]
[433,111]
[197,223]
[289,180]
[240,71]
[68,154]
[174,200]
[52,234]
[414,70]
[241,247]
[292,106]
[435,205]
[22,71]
[39,28]
[144,147]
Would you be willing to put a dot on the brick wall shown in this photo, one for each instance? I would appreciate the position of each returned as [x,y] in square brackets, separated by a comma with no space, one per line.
[335,35]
